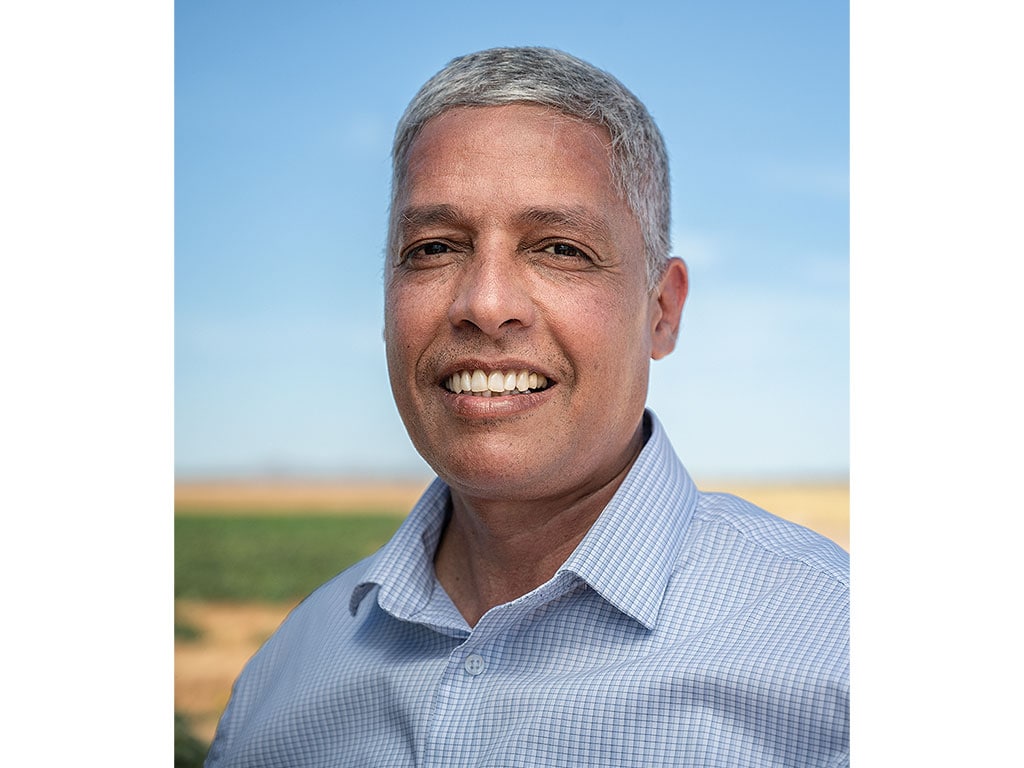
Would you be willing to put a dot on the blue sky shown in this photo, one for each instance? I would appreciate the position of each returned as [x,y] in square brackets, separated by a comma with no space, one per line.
[283,120]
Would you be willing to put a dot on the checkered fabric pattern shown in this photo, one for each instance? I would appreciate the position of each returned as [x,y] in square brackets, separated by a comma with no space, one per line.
[687,629]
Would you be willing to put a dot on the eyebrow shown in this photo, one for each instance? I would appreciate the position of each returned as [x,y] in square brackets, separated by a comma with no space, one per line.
[575,218]
[418,217]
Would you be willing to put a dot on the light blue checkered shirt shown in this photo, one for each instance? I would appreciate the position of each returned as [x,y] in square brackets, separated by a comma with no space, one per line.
[687,629]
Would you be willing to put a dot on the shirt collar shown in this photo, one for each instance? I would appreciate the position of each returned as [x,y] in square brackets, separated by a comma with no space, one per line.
[404,567]
[629,553]
[627,556]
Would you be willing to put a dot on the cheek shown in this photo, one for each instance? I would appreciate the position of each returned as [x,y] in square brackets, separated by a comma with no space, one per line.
[397,332]
[411,317]
[622,342]
[401,311]
[416,298]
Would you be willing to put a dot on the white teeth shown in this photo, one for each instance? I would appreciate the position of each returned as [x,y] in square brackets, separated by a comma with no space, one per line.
[496,383]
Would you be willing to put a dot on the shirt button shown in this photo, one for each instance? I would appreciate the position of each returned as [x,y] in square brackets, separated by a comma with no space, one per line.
[474,664]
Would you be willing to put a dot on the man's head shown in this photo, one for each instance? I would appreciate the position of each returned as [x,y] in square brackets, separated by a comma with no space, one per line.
[520,311]
[543,76]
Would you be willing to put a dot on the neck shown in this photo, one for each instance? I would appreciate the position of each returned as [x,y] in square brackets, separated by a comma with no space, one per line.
[496,550]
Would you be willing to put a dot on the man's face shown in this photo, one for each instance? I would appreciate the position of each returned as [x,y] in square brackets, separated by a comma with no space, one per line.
[517,257]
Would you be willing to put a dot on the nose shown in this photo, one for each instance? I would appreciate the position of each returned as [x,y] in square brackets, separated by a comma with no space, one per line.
[492,294]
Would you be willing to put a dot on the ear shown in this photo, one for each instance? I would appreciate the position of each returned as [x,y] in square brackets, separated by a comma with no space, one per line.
[671,295]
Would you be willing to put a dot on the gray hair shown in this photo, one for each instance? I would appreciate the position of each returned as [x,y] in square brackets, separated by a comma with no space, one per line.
[552,78]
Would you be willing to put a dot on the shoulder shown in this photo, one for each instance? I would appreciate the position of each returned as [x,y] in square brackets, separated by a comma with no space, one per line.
[324,612]
[290,654]
[735,522]
[772,593]
[740,566]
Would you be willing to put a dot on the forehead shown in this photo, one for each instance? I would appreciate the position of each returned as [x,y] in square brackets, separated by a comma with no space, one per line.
[524,136]
[513,144]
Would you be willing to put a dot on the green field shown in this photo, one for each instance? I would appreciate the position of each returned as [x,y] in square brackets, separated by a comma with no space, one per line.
[265,557]
[270,557]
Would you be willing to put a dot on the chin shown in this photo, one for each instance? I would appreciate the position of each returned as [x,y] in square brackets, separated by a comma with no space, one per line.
[491,476]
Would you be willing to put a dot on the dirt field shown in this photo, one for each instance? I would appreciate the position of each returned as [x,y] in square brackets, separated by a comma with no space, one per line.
[328,497]
[231,633]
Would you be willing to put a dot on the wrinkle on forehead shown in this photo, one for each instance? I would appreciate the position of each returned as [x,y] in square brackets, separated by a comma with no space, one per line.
[495,121]
[572,218]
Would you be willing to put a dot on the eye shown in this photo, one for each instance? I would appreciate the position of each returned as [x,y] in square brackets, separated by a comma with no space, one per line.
[427,252]
[566,250]
[428,249]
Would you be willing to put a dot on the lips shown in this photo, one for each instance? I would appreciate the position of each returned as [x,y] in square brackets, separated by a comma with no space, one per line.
[498,383]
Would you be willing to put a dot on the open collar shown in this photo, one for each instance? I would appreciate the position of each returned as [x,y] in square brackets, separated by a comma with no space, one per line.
[627,556]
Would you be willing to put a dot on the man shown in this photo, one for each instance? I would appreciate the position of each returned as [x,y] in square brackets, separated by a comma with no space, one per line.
[562,594]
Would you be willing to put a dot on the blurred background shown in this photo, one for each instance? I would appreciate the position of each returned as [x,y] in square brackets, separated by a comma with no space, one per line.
[290,459]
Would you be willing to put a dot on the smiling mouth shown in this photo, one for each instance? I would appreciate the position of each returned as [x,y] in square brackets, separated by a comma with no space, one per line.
[495,383]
